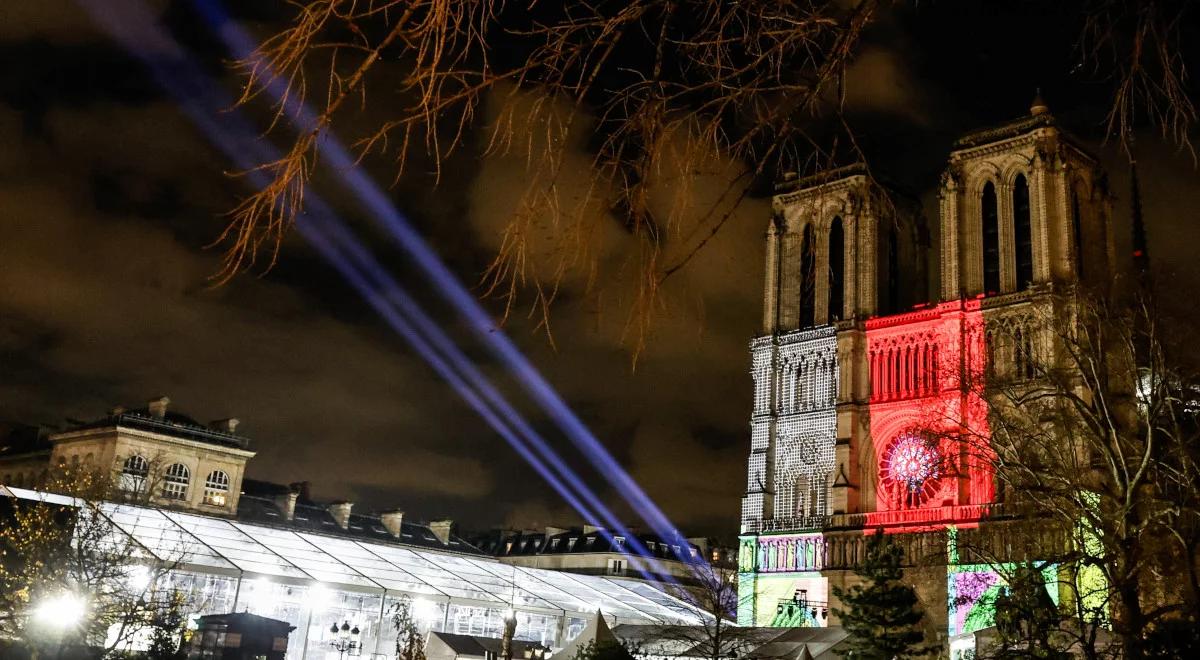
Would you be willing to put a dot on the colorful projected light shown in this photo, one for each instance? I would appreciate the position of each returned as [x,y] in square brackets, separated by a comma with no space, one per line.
[910,470]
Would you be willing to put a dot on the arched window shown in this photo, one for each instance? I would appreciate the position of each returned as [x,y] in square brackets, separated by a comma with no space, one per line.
[216,488]
[1077,232]
[887,271]
[175,482]
[803,487]
[133,473]
[808,279]
[1022,232]
[991,239]
[837,270]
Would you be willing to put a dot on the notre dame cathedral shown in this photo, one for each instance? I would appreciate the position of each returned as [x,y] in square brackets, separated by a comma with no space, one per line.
[867,326]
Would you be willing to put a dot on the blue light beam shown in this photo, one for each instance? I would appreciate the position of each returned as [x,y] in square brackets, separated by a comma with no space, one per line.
[343,164]
[322,229]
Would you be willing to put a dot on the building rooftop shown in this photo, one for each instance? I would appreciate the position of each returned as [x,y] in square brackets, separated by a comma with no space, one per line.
[576,541]
[17,439]
[254,506]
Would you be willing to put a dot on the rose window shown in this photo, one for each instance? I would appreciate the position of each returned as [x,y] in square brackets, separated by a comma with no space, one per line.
[910,470]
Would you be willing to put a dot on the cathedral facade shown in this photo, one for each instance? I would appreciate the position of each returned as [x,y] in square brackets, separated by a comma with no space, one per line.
[873,333]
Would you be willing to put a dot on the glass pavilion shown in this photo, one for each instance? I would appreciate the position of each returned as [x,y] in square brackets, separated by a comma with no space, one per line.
[314,580]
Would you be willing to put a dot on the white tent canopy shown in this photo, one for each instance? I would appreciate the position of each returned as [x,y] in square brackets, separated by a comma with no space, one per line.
[201,546]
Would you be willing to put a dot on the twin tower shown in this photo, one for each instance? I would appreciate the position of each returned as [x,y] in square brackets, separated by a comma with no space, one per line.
[868,324]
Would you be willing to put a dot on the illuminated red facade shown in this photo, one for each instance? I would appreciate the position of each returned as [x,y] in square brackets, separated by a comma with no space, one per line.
[917,362]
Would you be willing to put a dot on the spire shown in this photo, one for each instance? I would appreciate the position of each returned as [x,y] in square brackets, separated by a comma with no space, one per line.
[1038,107]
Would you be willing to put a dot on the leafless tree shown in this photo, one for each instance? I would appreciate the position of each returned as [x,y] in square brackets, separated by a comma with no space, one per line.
[665,88]
[64,548]
[1093,434]
[714,591]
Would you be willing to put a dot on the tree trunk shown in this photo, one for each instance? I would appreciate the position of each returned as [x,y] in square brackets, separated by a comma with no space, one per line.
[1129,619]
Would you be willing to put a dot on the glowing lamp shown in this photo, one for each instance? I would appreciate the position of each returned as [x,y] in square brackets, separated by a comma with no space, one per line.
[65,610]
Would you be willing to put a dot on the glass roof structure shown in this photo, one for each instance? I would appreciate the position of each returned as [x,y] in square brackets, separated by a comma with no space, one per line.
[207,544]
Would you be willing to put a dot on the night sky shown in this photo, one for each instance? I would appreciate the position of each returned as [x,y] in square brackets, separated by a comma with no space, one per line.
[109,197]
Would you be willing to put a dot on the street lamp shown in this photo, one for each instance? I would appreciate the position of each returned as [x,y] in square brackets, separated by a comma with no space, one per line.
[59,613]
[62,611]
[345,639]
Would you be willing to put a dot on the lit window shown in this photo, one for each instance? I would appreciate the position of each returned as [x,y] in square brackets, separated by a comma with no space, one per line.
[175,483]
[133,473]
[216,488]
[619,542]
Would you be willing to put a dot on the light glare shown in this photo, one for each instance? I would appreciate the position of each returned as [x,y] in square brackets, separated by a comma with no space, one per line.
[62,611]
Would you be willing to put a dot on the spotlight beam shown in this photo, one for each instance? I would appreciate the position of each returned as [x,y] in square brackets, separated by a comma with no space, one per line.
[345,167]
[319,225]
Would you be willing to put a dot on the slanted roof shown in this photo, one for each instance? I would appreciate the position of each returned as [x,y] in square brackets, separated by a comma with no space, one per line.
[315,517]
[478,647]
[758,643]
[17,439]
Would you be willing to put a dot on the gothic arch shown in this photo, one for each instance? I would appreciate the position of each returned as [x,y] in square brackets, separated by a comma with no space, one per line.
[808,275]
[836,260]
[1021,203]
[1079,206]
[971,234]
[989,236]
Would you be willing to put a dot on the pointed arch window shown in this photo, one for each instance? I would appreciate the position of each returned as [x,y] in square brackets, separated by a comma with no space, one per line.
[808,279]
[1022,232]
[888,272]
[1077,232]
[837,270]
[990,217]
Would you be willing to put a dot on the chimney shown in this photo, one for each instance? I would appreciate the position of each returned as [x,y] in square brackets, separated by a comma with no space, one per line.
[287,504]
[305,490]
[592,529]
[158,407]
[442,530]
[225,425]
[392,521]
[341,513]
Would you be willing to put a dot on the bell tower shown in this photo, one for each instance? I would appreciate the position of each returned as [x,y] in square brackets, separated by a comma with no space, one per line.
[840,248]
[1022,205]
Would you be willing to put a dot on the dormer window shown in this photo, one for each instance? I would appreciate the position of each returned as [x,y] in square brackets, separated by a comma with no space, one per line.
[571,543]
[553,544]
[619,542]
